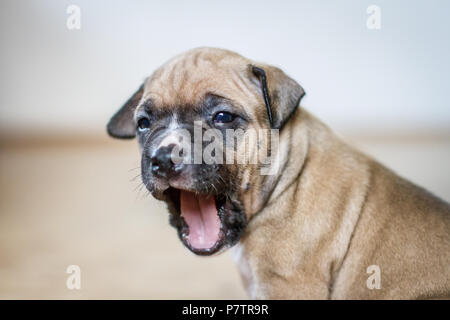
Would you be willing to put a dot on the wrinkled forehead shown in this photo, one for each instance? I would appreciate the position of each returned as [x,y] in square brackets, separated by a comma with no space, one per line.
[189,78]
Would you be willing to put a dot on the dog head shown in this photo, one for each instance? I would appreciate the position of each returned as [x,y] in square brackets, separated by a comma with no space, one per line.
[191,118]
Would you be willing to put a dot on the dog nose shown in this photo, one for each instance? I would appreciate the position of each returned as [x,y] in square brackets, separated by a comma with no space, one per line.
[161,162]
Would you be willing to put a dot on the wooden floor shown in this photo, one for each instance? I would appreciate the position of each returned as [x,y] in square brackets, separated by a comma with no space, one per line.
[77,204]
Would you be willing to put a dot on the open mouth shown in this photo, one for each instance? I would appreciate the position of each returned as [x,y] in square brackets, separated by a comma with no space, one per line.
[205,222]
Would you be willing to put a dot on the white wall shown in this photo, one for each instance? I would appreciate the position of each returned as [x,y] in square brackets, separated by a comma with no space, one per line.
[356,79]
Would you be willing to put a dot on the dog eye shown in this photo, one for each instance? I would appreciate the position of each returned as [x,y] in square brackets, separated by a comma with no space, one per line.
[223,117]
[143,124]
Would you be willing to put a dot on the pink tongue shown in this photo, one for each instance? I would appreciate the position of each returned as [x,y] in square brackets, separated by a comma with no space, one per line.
[200,213]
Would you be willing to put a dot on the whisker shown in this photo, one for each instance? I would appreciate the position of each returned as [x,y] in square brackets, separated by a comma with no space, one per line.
[134,178]
[139,186]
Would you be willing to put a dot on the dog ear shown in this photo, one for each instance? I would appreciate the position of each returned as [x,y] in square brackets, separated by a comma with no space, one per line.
[281,93]
[121,125]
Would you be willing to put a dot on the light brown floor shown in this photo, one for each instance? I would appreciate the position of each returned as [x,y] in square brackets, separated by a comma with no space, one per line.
[77,205]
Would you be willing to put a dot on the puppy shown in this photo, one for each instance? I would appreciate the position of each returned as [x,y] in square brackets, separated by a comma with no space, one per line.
[319,218]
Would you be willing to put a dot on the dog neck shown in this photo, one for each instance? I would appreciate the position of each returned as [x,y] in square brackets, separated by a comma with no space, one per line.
[299,238]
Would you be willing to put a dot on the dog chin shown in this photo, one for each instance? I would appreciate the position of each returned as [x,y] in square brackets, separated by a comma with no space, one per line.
[206,223]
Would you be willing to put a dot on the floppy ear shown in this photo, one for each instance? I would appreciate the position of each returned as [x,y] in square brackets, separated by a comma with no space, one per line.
[282,94]
[121,124]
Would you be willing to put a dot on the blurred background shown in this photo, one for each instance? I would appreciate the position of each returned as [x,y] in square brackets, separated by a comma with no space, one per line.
[68,193]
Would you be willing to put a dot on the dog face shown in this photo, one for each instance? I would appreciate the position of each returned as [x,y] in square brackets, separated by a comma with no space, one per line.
[203,96]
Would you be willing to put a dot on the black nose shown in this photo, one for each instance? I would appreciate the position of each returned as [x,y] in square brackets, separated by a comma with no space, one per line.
[161,162]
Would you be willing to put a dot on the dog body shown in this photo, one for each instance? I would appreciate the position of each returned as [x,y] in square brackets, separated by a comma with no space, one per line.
[309,230]
[335,213]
